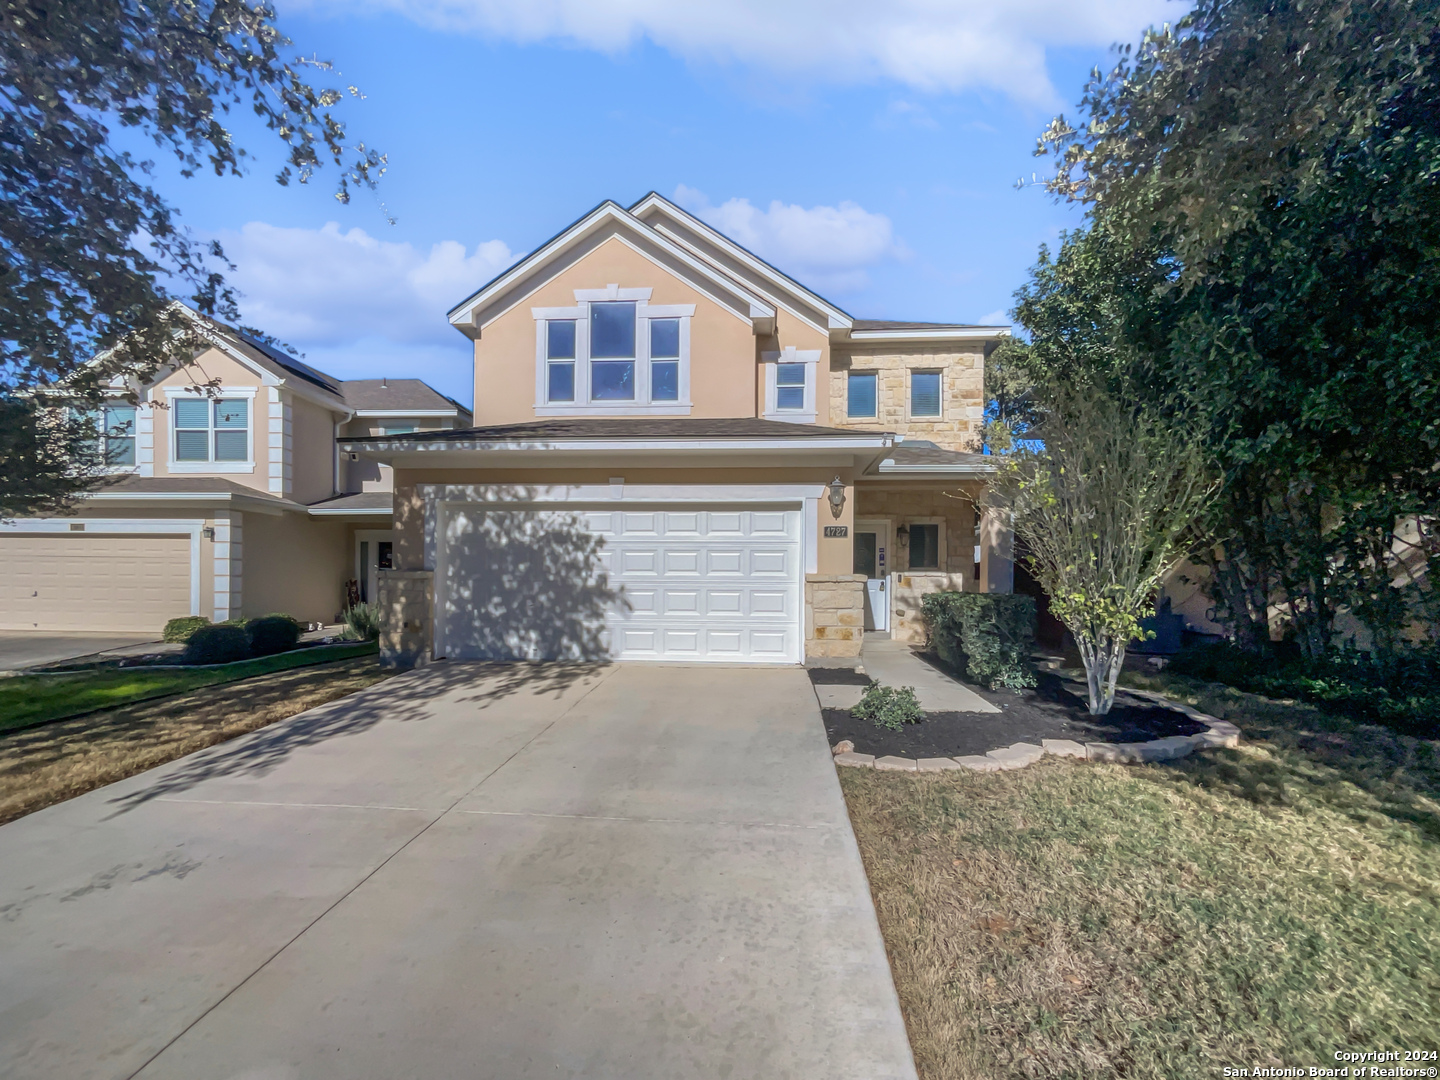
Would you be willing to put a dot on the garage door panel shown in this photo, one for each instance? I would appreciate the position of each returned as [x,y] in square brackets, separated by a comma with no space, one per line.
[93,581]
[686,584]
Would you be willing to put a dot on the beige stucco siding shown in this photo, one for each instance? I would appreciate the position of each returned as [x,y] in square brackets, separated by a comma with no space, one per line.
[211,366]
[722,347]
[962,376]
[296,565]
[312,451]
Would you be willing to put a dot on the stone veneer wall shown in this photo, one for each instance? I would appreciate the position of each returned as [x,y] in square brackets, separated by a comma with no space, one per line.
[834,616]
[407,617]
[902,506]
[906,623]
[962,391]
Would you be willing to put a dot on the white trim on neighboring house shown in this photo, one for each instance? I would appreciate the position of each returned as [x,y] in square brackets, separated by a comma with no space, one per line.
[212,466]
[370,512]
[382,414]
[125,527]
[879,440]
[582,405]
[145,435]
[281,443]
[946,333]
[791,355]
[229,565]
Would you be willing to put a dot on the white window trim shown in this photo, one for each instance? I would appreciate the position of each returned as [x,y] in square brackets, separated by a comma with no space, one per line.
[246,466]
[791,355]
[875,373]
[141,408]
[910,413]
[644,311]
[124,527]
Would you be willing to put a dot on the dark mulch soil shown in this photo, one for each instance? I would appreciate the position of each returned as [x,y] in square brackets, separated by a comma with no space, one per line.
[1047,712]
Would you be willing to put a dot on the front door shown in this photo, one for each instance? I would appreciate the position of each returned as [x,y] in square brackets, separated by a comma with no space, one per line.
[871,540]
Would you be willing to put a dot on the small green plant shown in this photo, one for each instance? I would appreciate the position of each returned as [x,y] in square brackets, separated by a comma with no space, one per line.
[272,634]
[362,622]
[179,630]
[887,707]
[986,635]
[217,645]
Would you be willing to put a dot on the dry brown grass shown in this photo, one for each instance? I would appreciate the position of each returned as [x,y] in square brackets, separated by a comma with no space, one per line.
[57,761]
[1086,920]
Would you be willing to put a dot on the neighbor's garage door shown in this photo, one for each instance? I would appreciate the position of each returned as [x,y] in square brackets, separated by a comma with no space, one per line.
[706,584]
[79,581]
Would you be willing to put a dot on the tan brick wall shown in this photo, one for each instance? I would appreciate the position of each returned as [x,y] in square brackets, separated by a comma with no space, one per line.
[407,617]
[962,406]
[834,615]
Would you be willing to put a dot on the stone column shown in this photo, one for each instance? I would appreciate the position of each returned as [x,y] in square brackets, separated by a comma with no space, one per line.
[997,552]
[834,618]
[407,617]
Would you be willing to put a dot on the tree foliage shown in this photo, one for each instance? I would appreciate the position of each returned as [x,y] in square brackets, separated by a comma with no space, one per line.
[86,244]
[1263,248]
[1105,504]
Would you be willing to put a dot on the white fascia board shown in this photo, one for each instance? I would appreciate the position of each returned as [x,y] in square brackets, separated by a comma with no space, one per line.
[378,446]
[462,314]
[392,413]
[889,468]
[367,512]
[957,333]
[837,319]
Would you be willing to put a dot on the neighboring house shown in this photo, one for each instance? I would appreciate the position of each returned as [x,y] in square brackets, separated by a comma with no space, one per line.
[227,502]
[683,454]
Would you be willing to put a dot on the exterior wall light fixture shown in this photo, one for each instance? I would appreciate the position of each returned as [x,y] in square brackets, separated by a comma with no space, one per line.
[837,496]
[208,532]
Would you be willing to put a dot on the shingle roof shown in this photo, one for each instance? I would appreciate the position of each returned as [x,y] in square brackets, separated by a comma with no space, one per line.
[181,485]
[917,452]
[362,502]
[396,394]
[641,427]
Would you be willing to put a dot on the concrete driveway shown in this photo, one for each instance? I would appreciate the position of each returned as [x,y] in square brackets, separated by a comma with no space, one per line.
[27,648]
[528,871]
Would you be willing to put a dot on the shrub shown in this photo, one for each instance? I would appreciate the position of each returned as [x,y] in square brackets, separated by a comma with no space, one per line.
[179,630]
[272,634]
[888,707]
[988,636]
[362,622]
[217,645]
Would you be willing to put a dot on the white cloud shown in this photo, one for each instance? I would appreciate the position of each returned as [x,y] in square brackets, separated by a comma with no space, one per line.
[930,45]
[323,288]
[998,317]
[824,247]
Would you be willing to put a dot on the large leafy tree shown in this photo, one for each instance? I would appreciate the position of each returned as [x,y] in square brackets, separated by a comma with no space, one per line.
[89,251]
[1263,246]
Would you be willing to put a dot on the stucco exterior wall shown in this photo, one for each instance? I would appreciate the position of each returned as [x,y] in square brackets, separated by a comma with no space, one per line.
[296,565]
[962,406]
[209,365]
[722,347]
[312,450]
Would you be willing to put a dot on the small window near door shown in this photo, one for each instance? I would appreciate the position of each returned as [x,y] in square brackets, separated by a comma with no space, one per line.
[384,555]
[924,547]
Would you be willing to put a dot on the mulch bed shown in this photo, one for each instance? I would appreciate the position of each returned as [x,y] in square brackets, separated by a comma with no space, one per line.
[1047,712]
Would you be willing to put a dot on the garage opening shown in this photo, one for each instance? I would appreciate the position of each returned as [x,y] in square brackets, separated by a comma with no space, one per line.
[669,583]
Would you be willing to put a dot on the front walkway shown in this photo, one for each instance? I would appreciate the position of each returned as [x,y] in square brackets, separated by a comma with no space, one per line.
[490,872]
[894,663]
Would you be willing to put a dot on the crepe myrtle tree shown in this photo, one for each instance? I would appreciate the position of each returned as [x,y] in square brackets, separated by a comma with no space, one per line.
[1108,498]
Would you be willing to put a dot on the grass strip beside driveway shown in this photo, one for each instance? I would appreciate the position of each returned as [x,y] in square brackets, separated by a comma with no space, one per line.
[1260,906]
[35,699]
[46,764]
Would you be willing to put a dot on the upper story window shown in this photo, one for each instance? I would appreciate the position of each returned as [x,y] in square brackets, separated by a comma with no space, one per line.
[790,384]
[924,393]
[790,387]
[115,431]
[211,433]
[860,394]
[613,353]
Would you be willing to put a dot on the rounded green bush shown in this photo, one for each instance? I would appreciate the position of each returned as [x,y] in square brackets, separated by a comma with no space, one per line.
[217,645]
[272,634]
[179,630]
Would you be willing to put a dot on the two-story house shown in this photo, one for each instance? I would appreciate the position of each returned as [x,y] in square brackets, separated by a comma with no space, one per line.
[229,499]
[682,454]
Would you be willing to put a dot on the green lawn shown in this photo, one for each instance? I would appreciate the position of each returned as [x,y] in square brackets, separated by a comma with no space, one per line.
[1266,905]
[34,699]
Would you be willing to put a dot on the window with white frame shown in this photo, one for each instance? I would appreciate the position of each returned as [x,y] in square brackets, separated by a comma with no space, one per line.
[212,429]
[115,433]
[613,353]
[925,393]
[790,387]
[791,381]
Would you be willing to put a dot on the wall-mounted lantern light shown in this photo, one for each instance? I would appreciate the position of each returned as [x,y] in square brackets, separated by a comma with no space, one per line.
[208,532]
[902,535]
[837,496]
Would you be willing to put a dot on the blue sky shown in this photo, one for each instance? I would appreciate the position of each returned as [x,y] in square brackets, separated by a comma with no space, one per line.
[869,150]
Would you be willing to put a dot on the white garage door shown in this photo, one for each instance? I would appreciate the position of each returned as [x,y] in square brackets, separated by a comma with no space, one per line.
[718,583]
[80,581]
